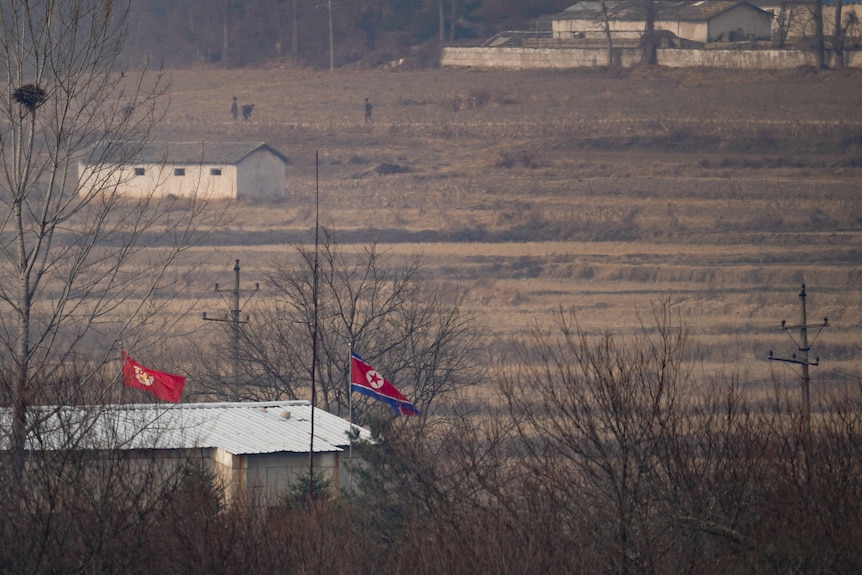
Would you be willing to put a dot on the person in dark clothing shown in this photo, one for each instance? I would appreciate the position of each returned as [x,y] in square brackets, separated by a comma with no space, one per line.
[246,111]
[368,108]
[234,109]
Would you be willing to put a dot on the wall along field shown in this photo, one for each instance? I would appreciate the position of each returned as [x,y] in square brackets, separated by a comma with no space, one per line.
[721,192]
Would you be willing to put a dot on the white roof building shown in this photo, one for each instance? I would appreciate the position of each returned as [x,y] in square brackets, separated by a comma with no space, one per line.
[212,170]
[257,450]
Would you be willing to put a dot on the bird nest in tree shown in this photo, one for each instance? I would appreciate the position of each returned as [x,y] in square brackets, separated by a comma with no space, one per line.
[30,96]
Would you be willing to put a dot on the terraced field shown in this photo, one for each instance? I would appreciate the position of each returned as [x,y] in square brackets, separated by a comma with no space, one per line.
[722,192]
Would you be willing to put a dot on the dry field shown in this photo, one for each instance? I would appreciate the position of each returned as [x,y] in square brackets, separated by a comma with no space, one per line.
[538,190]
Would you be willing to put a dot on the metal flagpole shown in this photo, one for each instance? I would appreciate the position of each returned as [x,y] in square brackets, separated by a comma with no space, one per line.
[314,328]
[350,397]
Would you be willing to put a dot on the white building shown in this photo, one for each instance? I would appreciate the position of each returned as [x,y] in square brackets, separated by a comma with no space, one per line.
[256,451]
[699,21]
[795,19]
[212,170]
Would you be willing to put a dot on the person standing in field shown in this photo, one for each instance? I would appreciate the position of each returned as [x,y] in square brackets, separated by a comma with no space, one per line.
[234,109]
[368,108]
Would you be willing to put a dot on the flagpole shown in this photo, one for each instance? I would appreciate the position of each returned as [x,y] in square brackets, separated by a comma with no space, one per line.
[314,328]
[350,397]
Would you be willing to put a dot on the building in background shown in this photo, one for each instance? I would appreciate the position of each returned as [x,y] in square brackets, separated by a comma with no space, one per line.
[211,170]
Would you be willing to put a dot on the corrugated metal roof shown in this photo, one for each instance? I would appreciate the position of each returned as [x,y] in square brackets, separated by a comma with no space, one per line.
[240,428]
[191,153]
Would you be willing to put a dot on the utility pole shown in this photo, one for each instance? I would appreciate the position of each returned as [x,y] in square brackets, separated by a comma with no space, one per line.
[233,319]
[331,43]
[802,357]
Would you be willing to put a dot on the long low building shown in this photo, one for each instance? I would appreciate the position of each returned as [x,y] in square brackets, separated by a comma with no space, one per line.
[256,450]
[211,170]
[699,21]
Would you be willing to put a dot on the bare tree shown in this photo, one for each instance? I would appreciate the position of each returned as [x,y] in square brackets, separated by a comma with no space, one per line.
[842,24]
[75,271]
[421,338]
[649,56]
[784,21]
[590,412]
[606,28]
[818,39]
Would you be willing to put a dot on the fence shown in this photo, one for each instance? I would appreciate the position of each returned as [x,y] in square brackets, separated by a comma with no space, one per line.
[565,58]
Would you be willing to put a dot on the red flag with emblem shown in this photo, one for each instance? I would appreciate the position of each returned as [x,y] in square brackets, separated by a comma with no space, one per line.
[165,386]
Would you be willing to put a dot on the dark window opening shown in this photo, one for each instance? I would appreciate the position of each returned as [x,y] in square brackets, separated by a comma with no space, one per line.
[179,171]
[140,171]
[215,171]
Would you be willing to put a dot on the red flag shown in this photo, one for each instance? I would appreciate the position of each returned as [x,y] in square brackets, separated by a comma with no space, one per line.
[365,379]
[165,386]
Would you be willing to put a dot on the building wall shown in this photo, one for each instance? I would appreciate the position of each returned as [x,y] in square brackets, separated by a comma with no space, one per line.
[565,29]
[554,58]
[230,472]
[260,175]
[269,476]
[741,19]
[799,20]
[695,31]
[210,181]
[533,58]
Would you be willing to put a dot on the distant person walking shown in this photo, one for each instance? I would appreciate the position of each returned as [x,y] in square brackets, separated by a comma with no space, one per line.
[368,108]
[234,109]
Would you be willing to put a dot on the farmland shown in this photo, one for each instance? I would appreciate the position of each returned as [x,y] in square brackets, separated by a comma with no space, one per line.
[720,192]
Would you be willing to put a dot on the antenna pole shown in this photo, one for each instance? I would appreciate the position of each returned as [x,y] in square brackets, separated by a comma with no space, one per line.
[314,327]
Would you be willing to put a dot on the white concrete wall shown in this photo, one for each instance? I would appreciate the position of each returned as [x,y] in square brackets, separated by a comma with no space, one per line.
[566,29]
[269,476]
[532,58]
[742,17]
[564,58]
[161,180]
[260,175]
[695,31]
[735,59]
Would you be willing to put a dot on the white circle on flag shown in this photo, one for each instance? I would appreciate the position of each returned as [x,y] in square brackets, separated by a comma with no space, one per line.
[374,379]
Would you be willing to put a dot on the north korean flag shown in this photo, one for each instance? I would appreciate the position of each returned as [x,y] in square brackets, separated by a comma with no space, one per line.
[365,379]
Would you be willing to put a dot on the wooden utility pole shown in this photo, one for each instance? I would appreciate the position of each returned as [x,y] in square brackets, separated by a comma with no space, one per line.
[233,319]
[802,358]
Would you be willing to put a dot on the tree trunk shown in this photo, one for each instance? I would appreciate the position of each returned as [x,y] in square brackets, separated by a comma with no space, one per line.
[648,44]
[819,42]
[607,26]
[442,22]
[452,20]
[838,36]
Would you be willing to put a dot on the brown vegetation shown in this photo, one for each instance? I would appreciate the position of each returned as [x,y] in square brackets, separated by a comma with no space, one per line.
[616,436]
[723,191]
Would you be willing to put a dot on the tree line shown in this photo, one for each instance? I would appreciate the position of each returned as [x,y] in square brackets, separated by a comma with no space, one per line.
[334,33]
[234,33]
